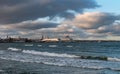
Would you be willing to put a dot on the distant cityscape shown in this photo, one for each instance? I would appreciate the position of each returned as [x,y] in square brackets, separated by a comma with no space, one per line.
[42,39]
[19,39]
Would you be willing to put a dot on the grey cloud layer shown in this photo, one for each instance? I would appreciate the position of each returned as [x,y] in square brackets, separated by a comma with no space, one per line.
[113,29]
[93,20]
[27,17]
[96,24]
[14,11]
[34,25]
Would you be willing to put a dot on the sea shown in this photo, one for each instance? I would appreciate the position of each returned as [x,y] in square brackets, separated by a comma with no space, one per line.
[60,58]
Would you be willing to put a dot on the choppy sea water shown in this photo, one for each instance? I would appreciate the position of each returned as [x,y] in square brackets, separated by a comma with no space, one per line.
[60,58]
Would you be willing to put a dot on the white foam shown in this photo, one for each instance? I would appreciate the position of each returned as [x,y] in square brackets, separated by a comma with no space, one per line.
[55,59]
[48,54]
[52,45]
[56,64]
[14,49]
[114,59]
[29,45]
[1,70]
[69,46]
[71,62]
[39,45]
[94,67]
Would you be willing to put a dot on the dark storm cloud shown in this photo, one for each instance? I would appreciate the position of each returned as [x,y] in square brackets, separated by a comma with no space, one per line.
[37,26]
[33,25]
[12,2]
[67,15]
[14,11]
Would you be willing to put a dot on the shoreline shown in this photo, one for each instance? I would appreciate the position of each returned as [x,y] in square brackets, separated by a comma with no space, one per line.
[99,41]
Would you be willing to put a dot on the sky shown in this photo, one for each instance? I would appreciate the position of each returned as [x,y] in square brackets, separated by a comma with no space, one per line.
[111,6]
[80,19]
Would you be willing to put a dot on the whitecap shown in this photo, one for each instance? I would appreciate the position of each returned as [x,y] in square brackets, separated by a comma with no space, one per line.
[48,54]
[28,45]
[114,59]
[69,46]
[14,49]
[1,70]
[56,60]
[39,45]
[52,46]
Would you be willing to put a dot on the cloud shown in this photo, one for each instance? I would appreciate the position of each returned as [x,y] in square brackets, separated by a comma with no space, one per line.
[93,20]
[61,31]
[112,30]
[86,25]
[94,25]
[56,17]
[29,25]
[13,11]
[40,23]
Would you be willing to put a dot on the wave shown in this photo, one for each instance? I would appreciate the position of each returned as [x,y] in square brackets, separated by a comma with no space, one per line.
[67,63]
[104,58]
[114,59]
[28,45]
[39,45]
[49,54]
[43,53]
[1,70]
[52,46]
[78,66]
[54,59]
[69,46]
[14,49]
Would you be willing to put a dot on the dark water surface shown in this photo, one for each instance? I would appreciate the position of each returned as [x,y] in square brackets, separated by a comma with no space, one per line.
[60,58]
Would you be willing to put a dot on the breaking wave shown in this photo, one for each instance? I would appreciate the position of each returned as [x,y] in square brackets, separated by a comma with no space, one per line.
[96,65]
[48,54]
[65,55]
[29,45]
[52,46]
[66,60]
[39,45]
[69,46]
[114,59]
[14,49]
[1,71]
